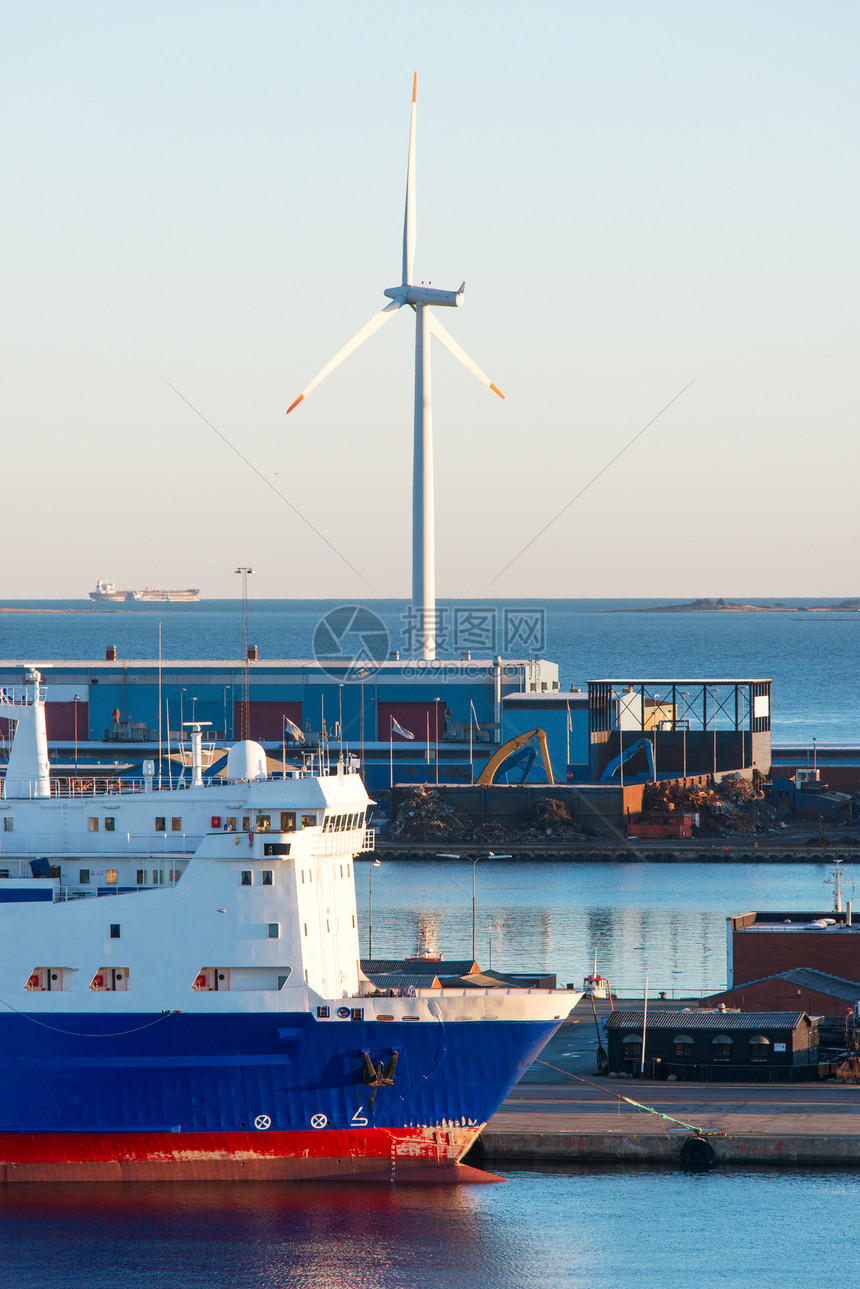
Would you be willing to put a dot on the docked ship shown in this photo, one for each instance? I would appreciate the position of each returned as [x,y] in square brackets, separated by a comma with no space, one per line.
[110,593]
[183,993]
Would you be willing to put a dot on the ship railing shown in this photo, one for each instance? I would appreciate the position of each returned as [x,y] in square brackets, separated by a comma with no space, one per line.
[20,697]
[60,845]
[14,868]
[94,787]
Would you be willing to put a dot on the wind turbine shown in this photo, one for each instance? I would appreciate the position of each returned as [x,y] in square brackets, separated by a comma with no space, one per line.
[420,298]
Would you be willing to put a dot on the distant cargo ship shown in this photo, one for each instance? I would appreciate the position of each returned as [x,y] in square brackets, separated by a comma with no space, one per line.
[107,591]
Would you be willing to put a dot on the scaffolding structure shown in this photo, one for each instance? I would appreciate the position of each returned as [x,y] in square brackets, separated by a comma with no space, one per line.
[694,727]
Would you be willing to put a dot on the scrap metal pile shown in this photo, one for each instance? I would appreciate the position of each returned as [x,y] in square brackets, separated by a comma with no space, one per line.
[733,805]
[425,816]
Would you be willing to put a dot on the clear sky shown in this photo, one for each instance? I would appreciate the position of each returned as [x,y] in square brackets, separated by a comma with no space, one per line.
[637,195]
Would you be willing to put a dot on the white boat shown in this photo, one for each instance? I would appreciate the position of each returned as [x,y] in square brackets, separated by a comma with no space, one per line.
[182,992]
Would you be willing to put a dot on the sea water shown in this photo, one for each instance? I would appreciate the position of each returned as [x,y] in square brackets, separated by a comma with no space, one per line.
[812,658]
[555,917]
[583,1228]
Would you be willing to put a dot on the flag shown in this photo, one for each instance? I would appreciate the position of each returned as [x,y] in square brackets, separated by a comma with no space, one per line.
[293,730]
[397,728]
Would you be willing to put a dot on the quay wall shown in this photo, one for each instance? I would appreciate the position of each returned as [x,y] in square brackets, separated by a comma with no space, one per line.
[653,1148]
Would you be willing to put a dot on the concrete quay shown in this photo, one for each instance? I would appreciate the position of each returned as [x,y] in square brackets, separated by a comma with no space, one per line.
[757,850]
[553,1117]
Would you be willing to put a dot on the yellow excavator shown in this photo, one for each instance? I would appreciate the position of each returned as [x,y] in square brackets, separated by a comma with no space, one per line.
[532,737]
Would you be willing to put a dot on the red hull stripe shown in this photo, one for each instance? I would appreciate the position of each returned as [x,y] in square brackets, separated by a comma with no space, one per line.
[373,1153]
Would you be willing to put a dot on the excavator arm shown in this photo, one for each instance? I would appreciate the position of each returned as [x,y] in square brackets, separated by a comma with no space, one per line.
[488,773]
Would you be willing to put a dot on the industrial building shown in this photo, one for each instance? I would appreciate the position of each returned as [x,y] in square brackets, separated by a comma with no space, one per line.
[407,720]
[710,1045]
[769,944]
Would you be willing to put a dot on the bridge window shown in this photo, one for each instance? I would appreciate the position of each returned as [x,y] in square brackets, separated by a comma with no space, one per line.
[288,821]
[274,930]
[309,821]
[176,824]
[93,824]
[160,823]
[267,877]
[231,823]
[110,877]
[83,877]
[8,823]
[247,877]
[110,823]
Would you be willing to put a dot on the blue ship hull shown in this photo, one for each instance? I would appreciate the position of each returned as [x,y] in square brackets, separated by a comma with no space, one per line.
[190,1073]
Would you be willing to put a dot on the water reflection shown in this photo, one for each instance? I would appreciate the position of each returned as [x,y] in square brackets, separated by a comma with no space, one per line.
[562,1226]
[554,916]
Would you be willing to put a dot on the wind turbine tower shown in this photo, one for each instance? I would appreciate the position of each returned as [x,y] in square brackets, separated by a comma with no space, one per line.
[421,299]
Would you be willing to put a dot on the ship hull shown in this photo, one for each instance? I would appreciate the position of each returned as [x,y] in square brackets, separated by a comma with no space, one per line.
[373,1155]
[237,1096]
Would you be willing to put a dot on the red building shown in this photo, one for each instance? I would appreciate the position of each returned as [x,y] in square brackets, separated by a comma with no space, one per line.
[811,991]
[768,944]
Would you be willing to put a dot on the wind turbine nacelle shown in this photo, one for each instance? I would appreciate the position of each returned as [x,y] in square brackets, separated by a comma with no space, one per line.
[426,295]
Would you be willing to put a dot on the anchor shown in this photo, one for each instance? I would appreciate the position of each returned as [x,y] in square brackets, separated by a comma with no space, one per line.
[377,1076]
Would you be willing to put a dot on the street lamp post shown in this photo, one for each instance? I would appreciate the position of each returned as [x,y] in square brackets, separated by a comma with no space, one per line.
[376,864]
[77,700]
[474,862]
[474,865]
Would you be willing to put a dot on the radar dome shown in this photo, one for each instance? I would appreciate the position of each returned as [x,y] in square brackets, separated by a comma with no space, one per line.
[246,760]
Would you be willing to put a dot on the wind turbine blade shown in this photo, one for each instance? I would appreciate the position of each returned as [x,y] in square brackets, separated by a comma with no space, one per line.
[451,344]
[378,320]
[410,218]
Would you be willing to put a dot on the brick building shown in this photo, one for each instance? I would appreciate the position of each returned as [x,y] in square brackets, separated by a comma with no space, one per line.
[813,991]
[767,944]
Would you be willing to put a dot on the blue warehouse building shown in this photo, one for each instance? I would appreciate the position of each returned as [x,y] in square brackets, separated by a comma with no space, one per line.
[406,720]
[113,711]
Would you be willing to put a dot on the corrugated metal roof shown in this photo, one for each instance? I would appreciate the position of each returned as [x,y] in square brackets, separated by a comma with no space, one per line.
[398,980]
[716,1020]
[417,967]
[808,978]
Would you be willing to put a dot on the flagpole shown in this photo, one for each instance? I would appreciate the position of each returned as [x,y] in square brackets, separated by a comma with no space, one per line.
[472,713]
[436,737]
[391,756]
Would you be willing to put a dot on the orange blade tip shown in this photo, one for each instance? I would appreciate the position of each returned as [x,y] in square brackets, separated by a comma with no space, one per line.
[414,86]
[299,399]
[493,387]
